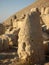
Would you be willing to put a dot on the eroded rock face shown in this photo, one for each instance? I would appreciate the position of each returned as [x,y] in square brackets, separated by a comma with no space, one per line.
[45,16]
[29,32]
[8,31]
[44,10]
[4,43]
[2,29]
[15,24]
[45,19]
[45,27]
[30,42]
[1,45]
[12,39]
[8,40]
[47,10]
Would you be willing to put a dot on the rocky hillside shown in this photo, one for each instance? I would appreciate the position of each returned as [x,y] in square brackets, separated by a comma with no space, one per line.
[27,31]
[38,3]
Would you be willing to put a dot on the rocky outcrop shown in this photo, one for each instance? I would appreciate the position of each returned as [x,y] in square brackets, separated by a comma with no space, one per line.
[4,43]
[44,10]
[45,19]
[1,45]
[30,33]
[28,29]
[45,27]
[30,42]
[12,39]
[2,29]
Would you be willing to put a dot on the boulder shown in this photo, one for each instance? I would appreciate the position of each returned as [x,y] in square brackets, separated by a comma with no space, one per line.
[30,41]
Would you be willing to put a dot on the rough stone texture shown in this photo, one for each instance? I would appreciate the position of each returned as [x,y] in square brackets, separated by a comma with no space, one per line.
[38,3]
[46,46]
[45,27]
[15,24]
[45,19]
[2,29]
[47,10]
[9,30]
[12,39]
[34,39]
[12,36]
[1,45]
[46,42]
[42,10]
[45,16]
[5,42]
[30,42]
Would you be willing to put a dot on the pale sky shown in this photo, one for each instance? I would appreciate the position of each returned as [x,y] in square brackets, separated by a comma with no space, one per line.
[9,7]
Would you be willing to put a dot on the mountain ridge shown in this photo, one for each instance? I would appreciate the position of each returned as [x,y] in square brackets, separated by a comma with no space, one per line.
[36,4]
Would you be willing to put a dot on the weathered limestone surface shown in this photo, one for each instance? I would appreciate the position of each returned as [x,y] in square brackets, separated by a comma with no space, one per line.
[8,31]
[45,27]
[30,37]
[2,29]
[15,24]
[45,19]
[12,39]
[1,45]
[45,15]
[30,42]
[46,46]
[26,33]
[5,42]
[44,10]
[47,10]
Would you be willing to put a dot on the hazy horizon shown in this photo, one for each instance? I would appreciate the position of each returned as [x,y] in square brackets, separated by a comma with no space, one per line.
[8,7]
